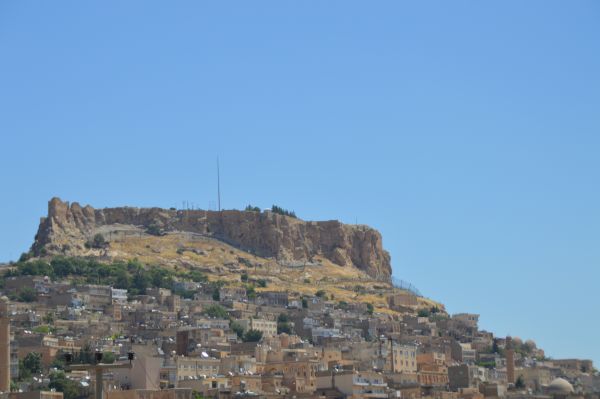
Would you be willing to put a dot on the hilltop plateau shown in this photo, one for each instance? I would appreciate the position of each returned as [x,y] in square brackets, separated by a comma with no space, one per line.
[344,262]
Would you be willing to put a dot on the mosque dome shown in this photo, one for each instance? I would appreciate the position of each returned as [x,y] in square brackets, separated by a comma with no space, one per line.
[560,386]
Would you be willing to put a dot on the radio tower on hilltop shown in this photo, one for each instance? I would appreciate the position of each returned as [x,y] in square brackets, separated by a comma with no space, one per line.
[218,187]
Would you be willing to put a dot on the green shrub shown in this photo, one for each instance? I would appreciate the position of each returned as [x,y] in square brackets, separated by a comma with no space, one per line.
[33,362]
[216,311]
[252,336]
[42,329]
[281,211]
[97,242]
[237,328]
[60,383]
[108,357]
[25,256]
[185,294]
[197,276]
[154,230]
[283,318]
[520,382]
[27,294]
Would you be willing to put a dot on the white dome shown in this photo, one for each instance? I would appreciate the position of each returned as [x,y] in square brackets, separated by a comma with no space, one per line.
[560,386]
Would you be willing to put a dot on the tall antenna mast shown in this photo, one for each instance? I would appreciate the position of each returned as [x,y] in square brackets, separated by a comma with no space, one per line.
[218,186]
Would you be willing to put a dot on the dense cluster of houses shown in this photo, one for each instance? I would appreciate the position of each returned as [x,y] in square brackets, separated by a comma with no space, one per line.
[272,345]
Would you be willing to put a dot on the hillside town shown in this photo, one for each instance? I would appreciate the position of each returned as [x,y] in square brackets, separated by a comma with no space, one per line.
[194,338]
[196,195]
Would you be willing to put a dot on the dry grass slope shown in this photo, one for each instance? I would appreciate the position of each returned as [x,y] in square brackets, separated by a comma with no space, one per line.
[221,261]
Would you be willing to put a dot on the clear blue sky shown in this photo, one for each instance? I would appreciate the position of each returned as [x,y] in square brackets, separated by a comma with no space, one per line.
[467,132]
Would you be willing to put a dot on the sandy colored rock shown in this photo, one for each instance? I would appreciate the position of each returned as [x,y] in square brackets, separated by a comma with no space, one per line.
[67,228]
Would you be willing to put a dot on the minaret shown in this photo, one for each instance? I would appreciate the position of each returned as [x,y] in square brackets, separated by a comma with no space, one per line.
[4,346]
[510,361]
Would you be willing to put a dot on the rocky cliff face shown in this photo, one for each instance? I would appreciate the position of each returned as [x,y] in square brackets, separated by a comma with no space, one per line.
[68,227]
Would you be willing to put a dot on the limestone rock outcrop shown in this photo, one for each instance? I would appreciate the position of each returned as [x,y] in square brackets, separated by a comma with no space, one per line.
[68,227]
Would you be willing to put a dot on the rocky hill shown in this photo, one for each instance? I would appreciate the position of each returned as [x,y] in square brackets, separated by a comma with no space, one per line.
[69,228]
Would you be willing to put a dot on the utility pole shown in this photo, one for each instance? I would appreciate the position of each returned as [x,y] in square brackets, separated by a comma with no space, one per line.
[98,368]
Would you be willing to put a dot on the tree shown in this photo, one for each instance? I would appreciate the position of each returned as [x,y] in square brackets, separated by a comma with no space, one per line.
[62,266]
[370,308]
[60,382]
[520,383]
[59,361]
[35,268]
[252,336]
[216,311]
[24,373]
[216,295]
[237,328]
[25,256]
[251,208]
[85,355]
[160,277]
[154,230]
[495,347]
[304,303]
[33,362]
[108,357]
[49,318]
[27,294]
[423,313]
[185,294]
[281,211]
[121,278]
[98,241]
[284,328]
[320,293]
[141,281]
[197,276]
[283,325]
[244,277]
